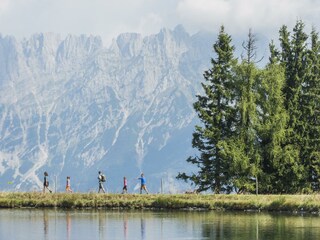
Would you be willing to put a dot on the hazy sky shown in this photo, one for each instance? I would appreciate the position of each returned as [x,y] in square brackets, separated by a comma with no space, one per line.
[108,18]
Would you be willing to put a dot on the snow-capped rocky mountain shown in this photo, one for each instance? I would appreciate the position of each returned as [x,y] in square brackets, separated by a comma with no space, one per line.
[72,107]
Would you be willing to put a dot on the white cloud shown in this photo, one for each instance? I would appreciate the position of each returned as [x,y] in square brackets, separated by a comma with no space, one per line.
[4,5]
[240,15]
[100,17]
[109,18]
[149,22]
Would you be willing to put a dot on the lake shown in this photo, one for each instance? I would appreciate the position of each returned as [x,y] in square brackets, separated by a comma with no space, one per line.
[34,224]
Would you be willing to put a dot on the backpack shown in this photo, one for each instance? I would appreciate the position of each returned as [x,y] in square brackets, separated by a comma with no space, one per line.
[103,178]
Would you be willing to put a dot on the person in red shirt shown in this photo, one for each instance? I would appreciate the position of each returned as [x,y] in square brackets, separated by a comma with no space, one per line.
[125,185]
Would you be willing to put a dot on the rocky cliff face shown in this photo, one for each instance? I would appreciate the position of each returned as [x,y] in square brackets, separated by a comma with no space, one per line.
[72,107]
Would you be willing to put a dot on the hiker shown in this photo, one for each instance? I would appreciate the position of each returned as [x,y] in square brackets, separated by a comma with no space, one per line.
[125,188]
[102,179]
[68,185]
[46,183]
[143,184]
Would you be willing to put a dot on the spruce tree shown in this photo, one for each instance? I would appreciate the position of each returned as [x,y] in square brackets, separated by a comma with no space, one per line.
[216,111]
[244,147]
[294,58]
[273,120]
[260,127]
[310,107]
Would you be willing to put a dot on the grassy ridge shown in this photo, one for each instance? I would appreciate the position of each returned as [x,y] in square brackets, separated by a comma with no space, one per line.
[292,203]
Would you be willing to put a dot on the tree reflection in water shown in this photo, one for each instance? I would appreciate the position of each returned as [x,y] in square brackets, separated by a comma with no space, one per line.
[129,224]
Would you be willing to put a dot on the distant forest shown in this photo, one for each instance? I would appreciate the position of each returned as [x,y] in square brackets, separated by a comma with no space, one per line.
[260,127]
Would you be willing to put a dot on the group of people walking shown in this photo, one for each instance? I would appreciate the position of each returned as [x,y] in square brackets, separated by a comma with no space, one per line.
[101,180]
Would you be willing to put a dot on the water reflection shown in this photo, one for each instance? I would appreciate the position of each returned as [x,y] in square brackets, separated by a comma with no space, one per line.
[260,226]
[45,224]
[68,221]
[125,226]
[143,229]
[102,224]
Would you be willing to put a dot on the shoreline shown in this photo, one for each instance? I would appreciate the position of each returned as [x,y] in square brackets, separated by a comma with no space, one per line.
[264,203]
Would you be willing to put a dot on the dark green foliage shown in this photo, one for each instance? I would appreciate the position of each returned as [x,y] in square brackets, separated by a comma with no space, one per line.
[217,114]
[260,128]
[302,96]
[272,127]
[310,116]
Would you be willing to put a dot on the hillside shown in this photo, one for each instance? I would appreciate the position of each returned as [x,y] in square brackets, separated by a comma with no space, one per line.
[71,106]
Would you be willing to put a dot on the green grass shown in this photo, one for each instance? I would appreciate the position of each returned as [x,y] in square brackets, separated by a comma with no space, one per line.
[292,203]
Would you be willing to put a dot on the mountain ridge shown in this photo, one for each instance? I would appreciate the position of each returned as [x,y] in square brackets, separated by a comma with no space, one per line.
[73,107]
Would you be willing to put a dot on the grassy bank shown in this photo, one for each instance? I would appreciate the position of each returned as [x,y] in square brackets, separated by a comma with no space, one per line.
[292,203]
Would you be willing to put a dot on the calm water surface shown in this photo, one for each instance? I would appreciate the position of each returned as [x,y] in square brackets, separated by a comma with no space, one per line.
[106,224]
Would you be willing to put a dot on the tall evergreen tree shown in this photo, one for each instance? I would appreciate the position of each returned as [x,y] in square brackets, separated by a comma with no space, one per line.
[260,127]
[217,113]
[246,170]
[294,58]
[296,167]
[273,119]
[310,107]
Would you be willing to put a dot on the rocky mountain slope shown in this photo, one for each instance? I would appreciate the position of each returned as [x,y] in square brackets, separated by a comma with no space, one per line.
[72,107]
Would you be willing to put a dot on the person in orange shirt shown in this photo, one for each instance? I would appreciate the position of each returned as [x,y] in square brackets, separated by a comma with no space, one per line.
[68,185]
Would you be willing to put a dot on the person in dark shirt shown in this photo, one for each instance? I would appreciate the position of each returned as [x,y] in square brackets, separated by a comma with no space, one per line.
[46,183]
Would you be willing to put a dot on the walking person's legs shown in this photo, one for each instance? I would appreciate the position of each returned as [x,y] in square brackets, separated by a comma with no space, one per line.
[101,188]
[145,189]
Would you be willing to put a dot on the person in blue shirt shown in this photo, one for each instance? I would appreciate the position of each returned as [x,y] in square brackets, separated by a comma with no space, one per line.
[143,184]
